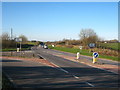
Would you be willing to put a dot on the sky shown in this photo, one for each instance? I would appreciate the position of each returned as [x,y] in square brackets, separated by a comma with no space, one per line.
[53,21]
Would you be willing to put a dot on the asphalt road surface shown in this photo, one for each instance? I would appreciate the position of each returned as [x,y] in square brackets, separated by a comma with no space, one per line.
[69,74]
[94,76]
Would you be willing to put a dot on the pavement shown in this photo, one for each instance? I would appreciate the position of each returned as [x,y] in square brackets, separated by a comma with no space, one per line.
[56,69]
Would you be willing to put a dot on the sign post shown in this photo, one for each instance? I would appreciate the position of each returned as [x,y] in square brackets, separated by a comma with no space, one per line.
[95,55]
[80,48]
[91,45]
[18,40]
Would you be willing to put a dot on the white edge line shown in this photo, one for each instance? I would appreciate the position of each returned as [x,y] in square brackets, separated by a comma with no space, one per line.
[90,84]
[41,56]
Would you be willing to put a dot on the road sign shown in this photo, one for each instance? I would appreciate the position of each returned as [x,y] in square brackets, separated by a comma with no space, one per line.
[95,54]
[91,45]
[18,39]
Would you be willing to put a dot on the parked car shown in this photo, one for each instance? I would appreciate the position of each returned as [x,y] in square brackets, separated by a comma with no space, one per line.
[45,46]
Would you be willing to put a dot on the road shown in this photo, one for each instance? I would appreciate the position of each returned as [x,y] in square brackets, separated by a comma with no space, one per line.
[66,74]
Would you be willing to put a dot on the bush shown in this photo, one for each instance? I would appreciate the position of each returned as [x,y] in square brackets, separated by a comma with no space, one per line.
[69,46]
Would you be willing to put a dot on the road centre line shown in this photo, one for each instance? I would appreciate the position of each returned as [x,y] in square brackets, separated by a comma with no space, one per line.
[90,84]
[75,76]
[67,72]
[72,75]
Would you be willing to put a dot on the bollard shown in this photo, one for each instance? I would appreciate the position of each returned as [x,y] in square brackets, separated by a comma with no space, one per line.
[94,60]
[95,55]
[17,49]
[78,55]
[33,55]
[53,46]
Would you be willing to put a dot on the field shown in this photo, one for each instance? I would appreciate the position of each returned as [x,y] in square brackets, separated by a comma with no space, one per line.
[113,46]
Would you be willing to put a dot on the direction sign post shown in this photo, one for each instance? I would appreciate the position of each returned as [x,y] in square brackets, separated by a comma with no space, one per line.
[91,46]
[80,48]
[95,55]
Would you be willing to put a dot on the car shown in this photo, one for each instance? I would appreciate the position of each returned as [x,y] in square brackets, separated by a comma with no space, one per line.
[45,47]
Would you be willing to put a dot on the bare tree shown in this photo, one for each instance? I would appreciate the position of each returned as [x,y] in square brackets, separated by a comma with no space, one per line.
[5,36]
[88,36]
[6,42]
[24,38]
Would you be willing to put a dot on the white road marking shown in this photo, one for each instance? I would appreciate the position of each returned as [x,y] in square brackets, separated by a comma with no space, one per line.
[90,84]
[60,68]
[75,76]
[41,56]
[64,70]
[67,72]
[72,75]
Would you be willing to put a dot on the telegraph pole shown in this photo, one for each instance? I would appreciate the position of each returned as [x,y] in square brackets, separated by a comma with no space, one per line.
[11,33]
[11,39]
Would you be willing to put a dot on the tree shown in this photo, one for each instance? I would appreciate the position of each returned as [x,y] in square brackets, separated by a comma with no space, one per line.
[88,36]
[24,38]
[5,36]
[6,41]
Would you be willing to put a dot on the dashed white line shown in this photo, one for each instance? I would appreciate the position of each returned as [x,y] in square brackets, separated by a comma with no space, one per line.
[64,70]
[90,84]
[72,75]
[59,68]
[76,77]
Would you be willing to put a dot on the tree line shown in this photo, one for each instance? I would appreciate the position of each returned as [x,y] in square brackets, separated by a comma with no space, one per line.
[7,42]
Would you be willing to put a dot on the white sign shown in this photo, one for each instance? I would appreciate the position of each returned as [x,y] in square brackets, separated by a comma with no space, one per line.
[18,39]
[91,45]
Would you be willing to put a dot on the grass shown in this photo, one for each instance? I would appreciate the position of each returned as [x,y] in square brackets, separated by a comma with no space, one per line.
[83,52]
[113,46]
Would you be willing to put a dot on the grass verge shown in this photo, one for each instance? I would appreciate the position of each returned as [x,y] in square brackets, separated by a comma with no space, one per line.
[83,52]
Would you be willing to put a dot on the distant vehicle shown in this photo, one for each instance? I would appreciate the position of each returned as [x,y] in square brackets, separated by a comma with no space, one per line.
[45,46]
[42,44]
